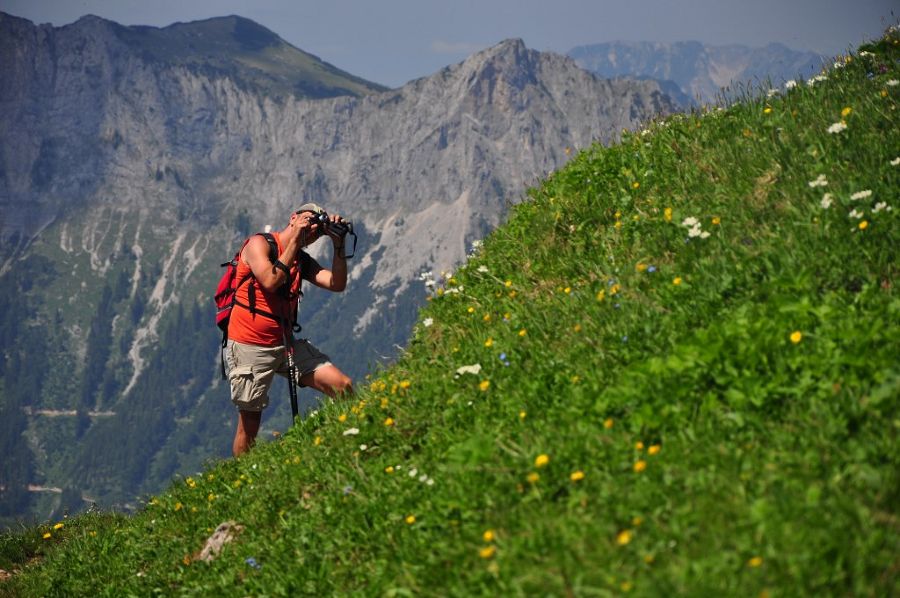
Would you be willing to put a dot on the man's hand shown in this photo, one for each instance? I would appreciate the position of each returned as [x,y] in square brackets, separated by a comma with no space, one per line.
[336,219]
[304,229]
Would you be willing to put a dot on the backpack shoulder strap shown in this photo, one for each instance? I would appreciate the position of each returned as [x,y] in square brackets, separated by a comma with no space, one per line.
[273,246]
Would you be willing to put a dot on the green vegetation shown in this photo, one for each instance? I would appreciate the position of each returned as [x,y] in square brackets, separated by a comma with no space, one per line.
[682,379]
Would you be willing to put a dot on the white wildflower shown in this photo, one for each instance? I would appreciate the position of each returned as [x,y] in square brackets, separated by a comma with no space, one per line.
[695,231]
[861,194]
[816,79]
[820,181]
[351,432]
[772,93]
[430,482]
[791,84]
[838,65]
[895,161]
[427,322]
[363,447]
[892,83]
[423,477]
[475,368]
[704,235]
[690,221]
[881,205]
[866,54]
[413,472]
[837,127]
[826,202]
[483,269]
[856,214]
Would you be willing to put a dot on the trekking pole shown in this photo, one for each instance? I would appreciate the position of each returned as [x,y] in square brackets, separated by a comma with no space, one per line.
[292,384]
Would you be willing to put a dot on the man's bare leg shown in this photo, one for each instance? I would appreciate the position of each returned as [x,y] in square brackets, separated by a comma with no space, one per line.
[247,428]
[330,380]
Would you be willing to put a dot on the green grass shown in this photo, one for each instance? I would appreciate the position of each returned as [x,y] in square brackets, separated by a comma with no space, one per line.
[735,433]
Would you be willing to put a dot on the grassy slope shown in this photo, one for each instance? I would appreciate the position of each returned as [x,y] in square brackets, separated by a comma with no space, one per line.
[774,464]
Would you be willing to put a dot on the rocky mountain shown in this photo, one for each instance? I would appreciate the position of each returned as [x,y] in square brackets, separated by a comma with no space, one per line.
[698,71]
[129,171]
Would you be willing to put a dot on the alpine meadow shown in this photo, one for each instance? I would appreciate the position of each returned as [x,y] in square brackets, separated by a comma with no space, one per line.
[673,371]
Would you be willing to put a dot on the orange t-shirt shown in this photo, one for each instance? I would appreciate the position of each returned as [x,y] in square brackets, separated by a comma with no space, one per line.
[251,328]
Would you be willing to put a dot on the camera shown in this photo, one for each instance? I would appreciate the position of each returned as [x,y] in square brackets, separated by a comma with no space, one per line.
[340,229]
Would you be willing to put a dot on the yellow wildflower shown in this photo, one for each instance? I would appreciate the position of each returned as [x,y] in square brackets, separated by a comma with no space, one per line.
[211,497]
[576,328]
[624,537]
[846,112]
[512,294]
[541,460]
[755,561]
[614,289]
[487,552]
[487,317]
[317,441]
[471,310]
[640,267]
[178,506]
[522,414]
[484,385]
[608,423]
[389,469]
[508,283]
[533,477]
[640,466]
[489,342]
[523,332]
[667,214]
[601,295]
[638,446]
[410,519]
[864,225]
[567,290]
[649,558]
[576,476]
[384,403]
[342,417]
[676,281]
[654,449]
[767,110]
[627,585]
[47,535]
[635,185]
[488,536]
[389,421]
[576,379]
[716,220]
[404,384]
[796,336]
[191,483]
[58,526]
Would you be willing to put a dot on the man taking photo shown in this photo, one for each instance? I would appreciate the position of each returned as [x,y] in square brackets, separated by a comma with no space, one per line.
[260,329]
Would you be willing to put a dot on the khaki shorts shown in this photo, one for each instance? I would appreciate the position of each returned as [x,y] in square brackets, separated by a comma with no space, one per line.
[252,368]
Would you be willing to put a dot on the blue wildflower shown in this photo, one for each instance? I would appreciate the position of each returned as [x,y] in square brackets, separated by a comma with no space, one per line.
[651,268]
[252,562]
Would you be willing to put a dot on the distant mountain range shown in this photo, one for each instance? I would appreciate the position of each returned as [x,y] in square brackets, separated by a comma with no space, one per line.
[698,71]
[133,162]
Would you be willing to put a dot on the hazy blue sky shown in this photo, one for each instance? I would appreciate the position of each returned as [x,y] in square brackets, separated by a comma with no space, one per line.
[393,41]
